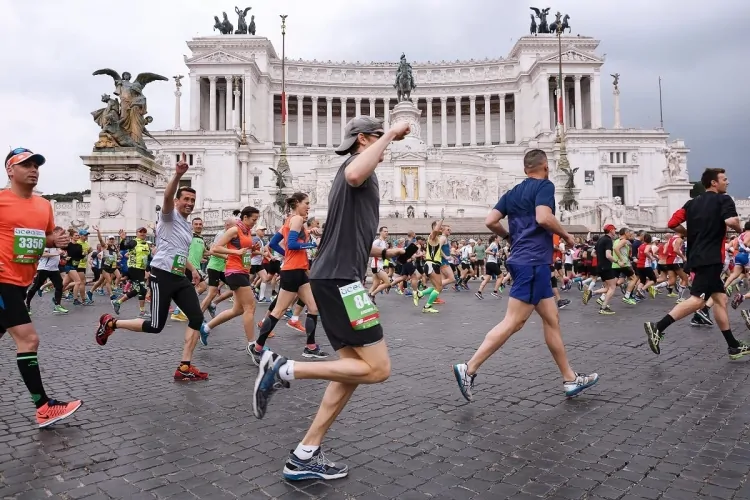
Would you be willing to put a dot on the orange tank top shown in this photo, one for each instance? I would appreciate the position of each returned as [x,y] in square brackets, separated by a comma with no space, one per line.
[239,263]
[294,259]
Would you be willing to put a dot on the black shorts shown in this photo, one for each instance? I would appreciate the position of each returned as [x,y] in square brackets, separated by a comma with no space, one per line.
[332,311]
[97,273]
[608,274]
[399,269]
[707,281]
[677,267]
[293,279]
[479,262]
[214,277]
[625,271]
[407,269]
[661,268]
[558,265]
[645,274]
[256,268]
[137,275]
[109,270]
[568,267]
[13,311]
[272,267]
[492,269]
[237,280]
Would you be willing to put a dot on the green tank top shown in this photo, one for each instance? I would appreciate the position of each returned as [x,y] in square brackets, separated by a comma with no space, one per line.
[434,253]
[138,256]
[624,252]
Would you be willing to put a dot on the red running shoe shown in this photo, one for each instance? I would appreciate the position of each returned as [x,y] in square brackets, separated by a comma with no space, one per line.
[105,328]
[54,411]
[190,373]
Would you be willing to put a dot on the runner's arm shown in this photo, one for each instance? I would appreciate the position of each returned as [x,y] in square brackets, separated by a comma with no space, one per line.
[363,166]
[274,244]
[220,247]
[292,243]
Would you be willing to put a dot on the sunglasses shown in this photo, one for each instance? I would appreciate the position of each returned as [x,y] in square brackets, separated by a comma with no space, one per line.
[18,151]
[375,134]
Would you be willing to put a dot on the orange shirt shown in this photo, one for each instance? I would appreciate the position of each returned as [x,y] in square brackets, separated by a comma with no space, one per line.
[556,253]
[294,259]
[24,226]
[239,263]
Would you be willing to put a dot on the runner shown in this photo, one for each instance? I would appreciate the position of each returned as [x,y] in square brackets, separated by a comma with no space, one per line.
[530,208]
[48,269]
[707,217]
[168,281]
[352,323]
[27,226]
[138,253]
[215,270]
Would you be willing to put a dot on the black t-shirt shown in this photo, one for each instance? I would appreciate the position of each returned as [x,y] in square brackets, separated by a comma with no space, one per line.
[75,253]
[706,230]
[604,244]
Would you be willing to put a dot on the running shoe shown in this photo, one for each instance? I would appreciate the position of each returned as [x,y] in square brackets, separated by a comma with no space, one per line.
[652,291]
[316,353]
[77,302]
[267,382]
[478,295]
[296,325]
[203,335]
[288,314]
[746,316]
[105,329]
[417,295]
[189,373]
[737,300]
[254,354]
[654,337]
[579,384]
[465,381]
[59,310]
[426,309]
[179,316]
[737,352]
[563,303]
[439,301]
[606,311]
[212,310]
[495,294]
[90,296]
[317,467]
[703,315]
[53,411]
[629,300]
[116,306]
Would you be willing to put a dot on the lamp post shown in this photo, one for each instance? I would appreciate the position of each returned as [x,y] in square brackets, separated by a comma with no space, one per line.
[283,165]
[568,202]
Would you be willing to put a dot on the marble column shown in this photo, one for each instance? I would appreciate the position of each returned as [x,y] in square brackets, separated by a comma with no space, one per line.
[243,177]
[473,120]
[195,102]
[459,140]
[329,122]
[222,110]
[343,116]
[271,118]
[616,102]
[247,99]
[444,121]
[300,120]
[212,103]
[177,95]
[372,107]
[228,104]
[237,117]
[357,106]
[487,121]
[517,128]
[596,102]
[579,102]
[503,132]
[430,142]
[314,142]
[386,113]
[545,111]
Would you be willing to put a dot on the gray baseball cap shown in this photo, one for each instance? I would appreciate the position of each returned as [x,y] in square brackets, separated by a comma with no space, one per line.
[356,126]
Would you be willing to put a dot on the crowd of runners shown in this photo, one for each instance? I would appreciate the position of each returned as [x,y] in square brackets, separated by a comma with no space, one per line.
[314,271]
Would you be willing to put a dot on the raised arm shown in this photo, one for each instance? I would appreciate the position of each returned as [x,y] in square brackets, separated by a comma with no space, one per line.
[362,167]
[171,190]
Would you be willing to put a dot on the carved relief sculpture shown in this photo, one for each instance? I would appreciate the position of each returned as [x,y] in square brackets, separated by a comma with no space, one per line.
[409,183]
[386,190]
[435,189]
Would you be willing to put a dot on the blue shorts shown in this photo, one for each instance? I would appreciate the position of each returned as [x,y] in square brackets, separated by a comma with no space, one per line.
[741,259]
[531,284]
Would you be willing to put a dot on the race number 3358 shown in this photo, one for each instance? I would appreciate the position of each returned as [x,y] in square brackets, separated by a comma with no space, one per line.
[28,245]
[363,314]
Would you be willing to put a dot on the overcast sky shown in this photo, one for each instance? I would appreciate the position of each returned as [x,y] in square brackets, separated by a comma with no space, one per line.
[50,48]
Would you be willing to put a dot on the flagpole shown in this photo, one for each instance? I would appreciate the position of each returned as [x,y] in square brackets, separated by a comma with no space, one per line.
[661,109]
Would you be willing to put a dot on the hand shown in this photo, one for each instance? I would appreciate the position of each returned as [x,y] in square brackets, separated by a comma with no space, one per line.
[316,231]
[196,277]
[569,240]
[400,130]
[241,251]
[62,240]
[95,228]
[395,252]
[181,167]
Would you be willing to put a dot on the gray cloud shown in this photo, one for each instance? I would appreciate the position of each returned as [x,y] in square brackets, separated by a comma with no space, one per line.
[699,52]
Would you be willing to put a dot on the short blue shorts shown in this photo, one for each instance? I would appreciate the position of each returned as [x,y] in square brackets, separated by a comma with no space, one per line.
[741,259]
[531,284]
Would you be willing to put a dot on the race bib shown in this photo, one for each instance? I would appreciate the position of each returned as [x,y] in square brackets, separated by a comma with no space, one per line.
[363,314]
[178,265]
[28,245]
[246,258]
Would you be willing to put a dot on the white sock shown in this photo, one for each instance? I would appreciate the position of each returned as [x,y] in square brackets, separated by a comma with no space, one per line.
[663,284]
[305,452]
[592,285]
[263,290]
[286,372]
[295,318]
[206,328]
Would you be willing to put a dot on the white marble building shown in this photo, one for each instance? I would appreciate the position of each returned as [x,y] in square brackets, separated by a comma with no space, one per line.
[477,120]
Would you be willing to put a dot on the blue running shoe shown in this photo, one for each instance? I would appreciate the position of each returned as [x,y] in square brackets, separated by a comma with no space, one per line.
[116,306]
[581,383]
[317,467]
[212,310]
[267,381]
[90,295]
[204,335]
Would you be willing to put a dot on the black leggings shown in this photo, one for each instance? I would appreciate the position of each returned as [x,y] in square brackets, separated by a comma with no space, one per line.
[165,288]
[41,278]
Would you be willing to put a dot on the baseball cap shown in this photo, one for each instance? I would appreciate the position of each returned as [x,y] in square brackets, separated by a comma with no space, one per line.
[356,126]
[20,155]
[83,232]
[609,227]
[141,230]
[261,227]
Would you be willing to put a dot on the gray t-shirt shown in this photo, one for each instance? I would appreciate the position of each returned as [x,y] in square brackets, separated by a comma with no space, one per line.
[173,236]
[353,216]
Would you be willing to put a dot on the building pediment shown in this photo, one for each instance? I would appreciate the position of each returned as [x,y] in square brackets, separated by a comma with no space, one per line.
[218,57]
[572,55]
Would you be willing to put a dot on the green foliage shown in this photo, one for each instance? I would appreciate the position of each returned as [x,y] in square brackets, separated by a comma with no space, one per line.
[67,197]
[697,190]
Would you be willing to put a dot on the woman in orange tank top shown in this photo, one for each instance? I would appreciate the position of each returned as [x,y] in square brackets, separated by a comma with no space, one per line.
[293,277]
[237,244]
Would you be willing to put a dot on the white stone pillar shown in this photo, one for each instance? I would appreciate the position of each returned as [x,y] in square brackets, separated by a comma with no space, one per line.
[247,100]
[596,102]
[358,106]
[503,132]
[177,95]
[222,110]
[459,141]
[271,118]
[430,142]
[473,120]
[212,103]
[545,111]
[329,122]
[616,102]
[343,116]
[444,121]
[579,102]
[300,120]
[314,141]
[372,107]
[517,118]
[195,102]
[228,112]
[243,177]
[386,113]
[285,118]
[487,121]
[237,117]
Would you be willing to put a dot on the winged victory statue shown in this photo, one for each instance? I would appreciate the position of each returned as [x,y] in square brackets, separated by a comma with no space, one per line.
[129,130]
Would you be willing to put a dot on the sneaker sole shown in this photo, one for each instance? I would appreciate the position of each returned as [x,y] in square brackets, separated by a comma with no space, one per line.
[579,390]
[55,420]
[290,475]
[258,379]
[313,356]
[457,374]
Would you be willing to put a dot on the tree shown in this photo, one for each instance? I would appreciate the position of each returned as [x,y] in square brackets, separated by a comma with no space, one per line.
[697,190]
[67,197]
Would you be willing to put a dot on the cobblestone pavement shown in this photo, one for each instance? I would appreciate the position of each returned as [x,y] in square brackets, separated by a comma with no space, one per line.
[668,427]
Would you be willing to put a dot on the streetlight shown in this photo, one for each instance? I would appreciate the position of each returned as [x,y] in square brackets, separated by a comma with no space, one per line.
[568,202]
[283,165]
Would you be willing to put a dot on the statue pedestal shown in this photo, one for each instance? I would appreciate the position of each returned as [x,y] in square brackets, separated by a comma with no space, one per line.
[409,156]
[409,112]
[672,196]
[123,192]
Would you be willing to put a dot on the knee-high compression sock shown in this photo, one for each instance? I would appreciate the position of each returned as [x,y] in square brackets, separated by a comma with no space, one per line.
[433,297]
[269,323]
[28,365]
[272,305]
[311,322]
[426,291]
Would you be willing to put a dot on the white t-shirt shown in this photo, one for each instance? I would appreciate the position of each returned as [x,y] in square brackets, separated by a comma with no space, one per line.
[466,252]
[50,263]
[377,262]
[568,257]
[491,254]
[173,237]
[257,260]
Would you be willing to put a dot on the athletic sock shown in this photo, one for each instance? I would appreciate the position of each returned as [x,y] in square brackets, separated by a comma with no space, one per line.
[28,365]
[269,323]
[664,323]
[731,341]
[433,297]
[311,322]
[304,452]
[286,371]
[426,291]
[206,328]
